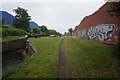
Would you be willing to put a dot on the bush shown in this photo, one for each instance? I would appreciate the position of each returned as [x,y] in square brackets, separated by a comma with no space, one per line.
[13,32]
[44,34]
[36,31]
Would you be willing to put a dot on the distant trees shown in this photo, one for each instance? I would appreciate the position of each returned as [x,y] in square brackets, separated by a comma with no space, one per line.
[59,34]
[70,30]
[44,30]
[66,33]
[53,32]
[36,31]
[21,19]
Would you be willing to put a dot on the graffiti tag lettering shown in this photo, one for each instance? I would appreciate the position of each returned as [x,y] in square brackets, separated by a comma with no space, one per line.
[101,32]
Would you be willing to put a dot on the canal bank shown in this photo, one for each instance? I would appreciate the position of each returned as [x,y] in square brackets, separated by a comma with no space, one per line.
[14,52]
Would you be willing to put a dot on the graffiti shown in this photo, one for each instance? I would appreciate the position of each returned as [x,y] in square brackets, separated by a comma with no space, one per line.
[101,32]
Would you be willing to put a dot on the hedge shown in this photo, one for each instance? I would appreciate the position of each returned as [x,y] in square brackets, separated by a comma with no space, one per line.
[13,32]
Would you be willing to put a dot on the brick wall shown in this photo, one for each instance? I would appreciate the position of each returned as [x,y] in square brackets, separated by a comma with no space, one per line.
[100,25]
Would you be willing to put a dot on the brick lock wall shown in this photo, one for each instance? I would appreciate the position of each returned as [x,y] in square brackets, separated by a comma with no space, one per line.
[13,45]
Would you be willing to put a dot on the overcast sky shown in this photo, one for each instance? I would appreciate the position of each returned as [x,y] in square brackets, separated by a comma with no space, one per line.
[56,15]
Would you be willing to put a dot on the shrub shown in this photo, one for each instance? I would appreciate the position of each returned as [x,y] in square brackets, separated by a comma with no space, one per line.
[36,31]
[13,32]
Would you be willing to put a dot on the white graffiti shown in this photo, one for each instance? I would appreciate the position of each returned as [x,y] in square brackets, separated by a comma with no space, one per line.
[101,32]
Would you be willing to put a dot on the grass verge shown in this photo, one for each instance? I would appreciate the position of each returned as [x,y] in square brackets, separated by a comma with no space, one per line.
[43,64]
[87,59]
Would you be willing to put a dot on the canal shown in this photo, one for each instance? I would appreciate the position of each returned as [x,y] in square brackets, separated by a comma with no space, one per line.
[11,59]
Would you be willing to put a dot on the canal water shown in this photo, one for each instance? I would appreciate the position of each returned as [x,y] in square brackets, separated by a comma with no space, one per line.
[11,59]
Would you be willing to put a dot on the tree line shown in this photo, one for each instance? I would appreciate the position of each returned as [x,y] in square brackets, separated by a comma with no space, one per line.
[22,19]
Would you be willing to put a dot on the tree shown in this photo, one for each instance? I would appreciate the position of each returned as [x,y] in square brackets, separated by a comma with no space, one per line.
[70,30]
[52,32]
[65,33]
[44,30]
[21,19]
[36,31]
[59,34]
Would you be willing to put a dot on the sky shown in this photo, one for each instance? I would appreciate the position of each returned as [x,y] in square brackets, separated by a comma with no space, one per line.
[58,15]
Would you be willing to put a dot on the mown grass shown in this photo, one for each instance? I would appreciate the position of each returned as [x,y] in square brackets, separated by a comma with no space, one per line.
[87,59]
[43,64]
